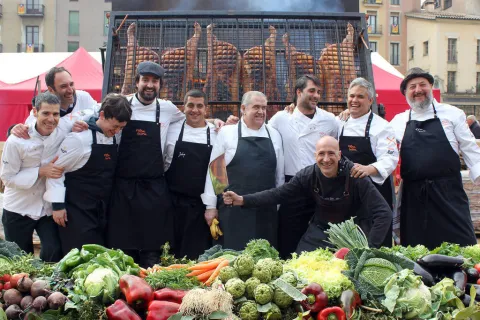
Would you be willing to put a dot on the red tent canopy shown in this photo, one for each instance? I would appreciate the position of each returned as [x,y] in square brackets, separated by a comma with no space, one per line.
[16,99]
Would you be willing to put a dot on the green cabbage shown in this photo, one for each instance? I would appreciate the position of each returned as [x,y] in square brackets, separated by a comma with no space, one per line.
[102,284]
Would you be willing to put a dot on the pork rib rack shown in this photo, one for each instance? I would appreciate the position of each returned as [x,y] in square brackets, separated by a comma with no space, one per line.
[178,66]
[134,51]
[223,69]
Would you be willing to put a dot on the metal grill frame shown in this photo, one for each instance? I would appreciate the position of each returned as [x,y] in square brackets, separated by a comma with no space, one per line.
[263,18]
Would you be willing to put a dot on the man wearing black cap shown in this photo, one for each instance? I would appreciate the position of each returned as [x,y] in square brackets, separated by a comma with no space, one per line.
[434,206]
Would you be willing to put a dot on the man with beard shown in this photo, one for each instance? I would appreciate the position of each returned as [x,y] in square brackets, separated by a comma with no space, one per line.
[474,126]
[254,162]
[434,206]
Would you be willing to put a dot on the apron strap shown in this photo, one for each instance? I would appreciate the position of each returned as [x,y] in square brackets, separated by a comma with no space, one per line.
[208,135]
[434,112]
[369,123]
[180,136]
[157,114]
[94,136]
[240,131]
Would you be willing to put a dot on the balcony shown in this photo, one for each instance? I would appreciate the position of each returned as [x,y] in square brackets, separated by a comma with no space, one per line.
[372,2]
[22,47]
[394,29]
[375,29]
[31,10]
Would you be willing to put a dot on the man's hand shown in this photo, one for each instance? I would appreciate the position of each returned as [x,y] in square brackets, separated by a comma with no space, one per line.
[344,115]
[359,171]
[50,170]
[79,126]
[218,124]
[231,198]
[210,214]
[290,108]
[20,131]
[232,120]
[60,217]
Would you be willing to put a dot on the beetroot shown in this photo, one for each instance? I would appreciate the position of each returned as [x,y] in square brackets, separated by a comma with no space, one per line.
[56,300]
[24,284]
[12,296]
[13,312]
[39,303]
[26,301]
[39,288]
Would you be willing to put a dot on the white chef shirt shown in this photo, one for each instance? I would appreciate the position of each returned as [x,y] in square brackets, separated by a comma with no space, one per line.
[169,113]
[190,134]
[73,154]
[456,129]
[300,134]
[382,141]
[21,161]
[227,141]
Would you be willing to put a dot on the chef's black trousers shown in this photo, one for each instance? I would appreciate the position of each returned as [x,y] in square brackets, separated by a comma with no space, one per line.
[144,258]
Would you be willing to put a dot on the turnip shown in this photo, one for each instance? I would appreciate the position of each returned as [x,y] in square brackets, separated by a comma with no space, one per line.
[39,288]
[24,284]
[40,303]
[13,312]
[26,301]
[56,300]
[12,296]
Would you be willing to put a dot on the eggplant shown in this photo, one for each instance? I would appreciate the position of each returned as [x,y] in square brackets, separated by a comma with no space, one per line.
[477,289]
[466,300]
[440,261]
[472,275]
[460,279]
[427,278]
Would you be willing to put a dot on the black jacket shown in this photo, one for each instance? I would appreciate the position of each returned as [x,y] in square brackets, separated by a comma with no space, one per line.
[367,203]
[475,128]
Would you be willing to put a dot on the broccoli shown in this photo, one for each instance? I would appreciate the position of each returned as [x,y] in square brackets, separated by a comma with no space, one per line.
[235,287]
[251,284]
[248,311]
[244,265]
[263,293]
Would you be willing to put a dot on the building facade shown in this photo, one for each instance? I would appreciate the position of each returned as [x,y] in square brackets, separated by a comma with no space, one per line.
[444,39]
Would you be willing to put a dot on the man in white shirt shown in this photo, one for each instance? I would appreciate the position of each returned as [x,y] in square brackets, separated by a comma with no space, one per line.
[82,194]
[369,141]
[187,155]
[434,206]
[254,159]
[25,166]
[300,132]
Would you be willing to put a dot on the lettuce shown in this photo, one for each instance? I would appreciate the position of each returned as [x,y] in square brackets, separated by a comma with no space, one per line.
[102,284]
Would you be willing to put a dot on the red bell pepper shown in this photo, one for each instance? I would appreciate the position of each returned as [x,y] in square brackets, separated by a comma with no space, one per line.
[332,313]
[317,299]
[349,300]
[167,294]
[162,310]
[136,290]
[120,310]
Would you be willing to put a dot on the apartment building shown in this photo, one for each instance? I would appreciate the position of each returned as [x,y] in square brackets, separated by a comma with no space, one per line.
[387,28]
[444,39]
[53,25]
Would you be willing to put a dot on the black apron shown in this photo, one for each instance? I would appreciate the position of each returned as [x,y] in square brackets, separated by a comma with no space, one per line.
[327,210]
[359,150]
[186,180]
[434,204]
[141,211]
[251,170]
[87,197]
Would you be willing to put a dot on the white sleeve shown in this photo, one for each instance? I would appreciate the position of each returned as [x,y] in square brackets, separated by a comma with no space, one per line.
[69,154]
[177,114]
[340,124]
[274,121]
[468,146]
[30,119]
[12,175]
[208,197]
[280,172]
[172,137]
[386,152]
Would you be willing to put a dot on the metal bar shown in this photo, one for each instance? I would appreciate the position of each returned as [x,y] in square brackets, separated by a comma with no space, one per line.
[185,60]
[264,74]
[134,58]
[339,55]
[312,47]
[109,67]
[238,66]
[288,57]
[368,61]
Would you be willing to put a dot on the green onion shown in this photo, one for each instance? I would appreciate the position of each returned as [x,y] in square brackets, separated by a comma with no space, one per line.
[346,235]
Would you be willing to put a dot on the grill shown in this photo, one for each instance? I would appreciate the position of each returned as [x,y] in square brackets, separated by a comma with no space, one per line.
[226,54]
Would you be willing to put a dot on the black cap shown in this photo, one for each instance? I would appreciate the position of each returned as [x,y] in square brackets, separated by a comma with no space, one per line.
[412,74]
[150,68]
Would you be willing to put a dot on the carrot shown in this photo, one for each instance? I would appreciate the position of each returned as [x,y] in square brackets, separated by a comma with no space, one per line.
[206,266]
[205,276]
[195,273]
[209,261]
[215,274]
[177,266]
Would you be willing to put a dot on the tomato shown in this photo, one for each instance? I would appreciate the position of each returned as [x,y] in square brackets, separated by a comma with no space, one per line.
[7,286]
[477,266]
[5,277]
[16,277]
[1,286]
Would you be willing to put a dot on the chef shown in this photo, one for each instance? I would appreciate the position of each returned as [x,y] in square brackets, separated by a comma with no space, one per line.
[187,155]
[300,131]
[81,195]
[434,206]
[336,194]
[254,159]
[25,166]
[369,141]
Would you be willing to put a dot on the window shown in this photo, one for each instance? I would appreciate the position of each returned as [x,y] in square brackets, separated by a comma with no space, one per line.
[411,51]
[395,2]
[372,22]
[447,4]
[395,54]
[72,46]
[425,48]
[451,86]
[106,21]
[74,23]
[437,4]
[478,51]
[394,24]
[478,83]
[373,46]
[452,50]
[32,35]
[33,5]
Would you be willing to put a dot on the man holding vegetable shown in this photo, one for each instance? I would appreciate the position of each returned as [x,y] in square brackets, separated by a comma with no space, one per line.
[337,197]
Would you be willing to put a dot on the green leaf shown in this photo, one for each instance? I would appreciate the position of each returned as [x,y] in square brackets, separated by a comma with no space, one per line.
[289,289]
[70,305]
[264,308]
[240,300]
[176,316]
[218,315]
[473,293]
[188,317]
[3,315]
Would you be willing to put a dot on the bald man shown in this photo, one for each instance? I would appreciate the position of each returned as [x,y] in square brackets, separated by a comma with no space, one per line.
[337,197]
[474,126]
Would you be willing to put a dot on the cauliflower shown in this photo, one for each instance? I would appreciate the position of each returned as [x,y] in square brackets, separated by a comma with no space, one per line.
[274,313]
[276,267]
[251,284]
[290,278]
[248,311]
[235,287]
[263,293]
[281,299]
[244,265]
[227,273]
[263,273]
